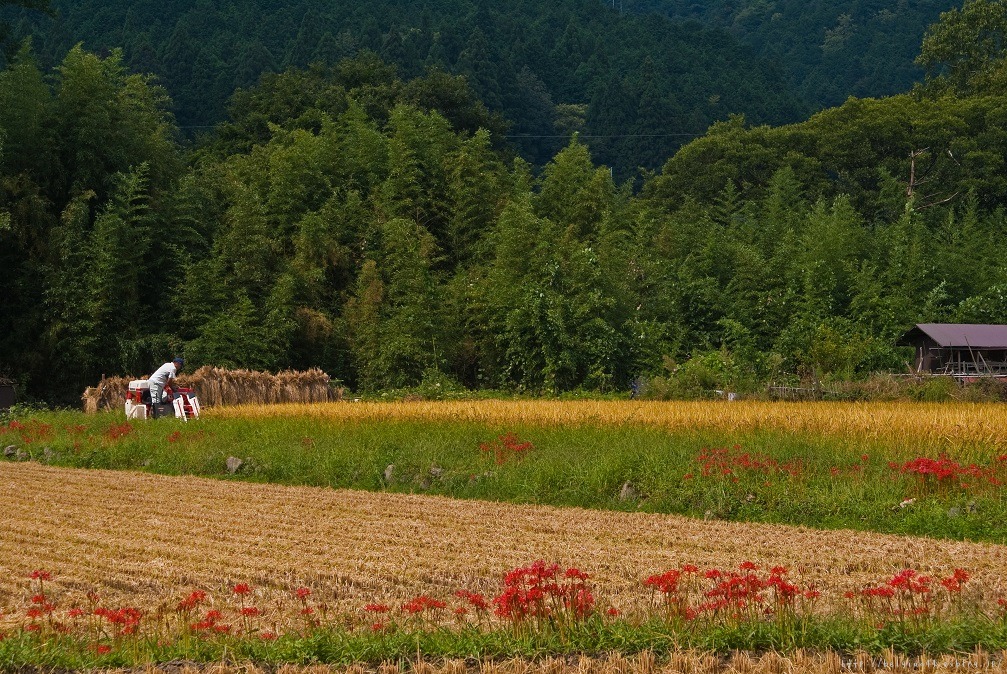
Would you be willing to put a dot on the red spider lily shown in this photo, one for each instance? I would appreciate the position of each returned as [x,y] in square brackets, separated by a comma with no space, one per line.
[75,613]
[377,608]
[38,599]
[945,472]
[302,593]
[612,611]
[477,601]
[39,574]
[910,580]
[956,581]
[242,589]
[194,599]
[251,612]
[422,603]
[268,636]
[666,582]
[537,591]
[102,649]
[883,591]
[724,461]
[506,446]
[209,622]
[117,431]
[121,616]
[34,613]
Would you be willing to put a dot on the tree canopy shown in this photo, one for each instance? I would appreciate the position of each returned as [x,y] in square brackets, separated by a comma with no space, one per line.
[376,225]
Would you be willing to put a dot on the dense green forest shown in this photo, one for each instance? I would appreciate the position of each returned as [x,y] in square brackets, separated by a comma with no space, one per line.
[375,224]
[827,50]
[636,84]
[638,78]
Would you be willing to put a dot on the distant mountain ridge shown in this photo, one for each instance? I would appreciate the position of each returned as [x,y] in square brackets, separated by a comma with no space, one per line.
[827,49]
[637,78]
[637,87]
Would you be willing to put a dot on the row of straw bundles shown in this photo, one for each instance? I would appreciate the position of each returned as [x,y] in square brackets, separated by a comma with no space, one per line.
[217,386]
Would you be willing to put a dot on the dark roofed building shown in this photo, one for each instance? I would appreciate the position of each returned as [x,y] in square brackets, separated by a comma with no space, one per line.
[7,397]
[962,349]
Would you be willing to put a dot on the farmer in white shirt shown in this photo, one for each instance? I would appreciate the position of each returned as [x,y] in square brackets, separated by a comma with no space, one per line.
[159,379]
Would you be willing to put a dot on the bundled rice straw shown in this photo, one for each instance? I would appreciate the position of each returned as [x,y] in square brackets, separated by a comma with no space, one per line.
[217,386]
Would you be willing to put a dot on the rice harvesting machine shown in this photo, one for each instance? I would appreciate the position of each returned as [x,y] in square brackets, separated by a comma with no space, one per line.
[184,404]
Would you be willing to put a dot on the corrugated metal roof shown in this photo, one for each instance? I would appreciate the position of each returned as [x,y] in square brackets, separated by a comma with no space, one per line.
[964,335]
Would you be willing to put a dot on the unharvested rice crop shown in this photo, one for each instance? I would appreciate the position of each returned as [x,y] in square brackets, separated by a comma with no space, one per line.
[142,540]
[935,424]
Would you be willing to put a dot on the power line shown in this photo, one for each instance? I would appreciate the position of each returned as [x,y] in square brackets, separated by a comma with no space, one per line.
[619,135]
[558,135]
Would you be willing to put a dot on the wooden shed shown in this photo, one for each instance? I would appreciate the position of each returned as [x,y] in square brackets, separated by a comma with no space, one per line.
[958,349]
[7,395]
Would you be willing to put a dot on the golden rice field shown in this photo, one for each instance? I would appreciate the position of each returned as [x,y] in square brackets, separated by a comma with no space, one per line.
[937,424]
[141,539]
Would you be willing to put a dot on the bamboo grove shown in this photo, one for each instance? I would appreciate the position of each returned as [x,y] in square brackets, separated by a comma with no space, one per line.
[375,227]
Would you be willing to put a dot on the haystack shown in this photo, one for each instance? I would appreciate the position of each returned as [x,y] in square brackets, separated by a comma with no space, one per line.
[217,386]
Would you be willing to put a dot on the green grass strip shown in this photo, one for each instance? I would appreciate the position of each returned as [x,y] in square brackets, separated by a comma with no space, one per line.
[593,637]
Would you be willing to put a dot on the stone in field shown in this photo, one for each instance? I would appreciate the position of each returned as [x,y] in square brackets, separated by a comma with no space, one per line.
[234,464]
[628,492]
[389,473]
[10,451]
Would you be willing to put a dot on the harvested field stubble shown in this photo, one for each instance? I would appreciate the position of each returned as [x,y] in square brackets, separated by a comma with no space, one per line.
[933,424]
[141,539]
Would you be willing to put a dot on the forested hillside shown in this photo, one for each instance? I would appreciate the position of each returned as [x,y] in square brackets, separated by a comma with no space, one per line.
[828,50]
[376,225]
[637,87]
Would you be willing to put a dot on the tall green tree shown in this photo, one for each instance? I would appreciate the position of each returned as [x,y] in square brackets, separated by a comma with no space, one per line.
[963,53]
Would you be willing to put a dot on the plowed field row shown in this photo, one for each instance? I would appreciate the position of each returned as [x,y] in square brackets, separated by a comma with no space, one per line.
[940,424]
[142,539]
